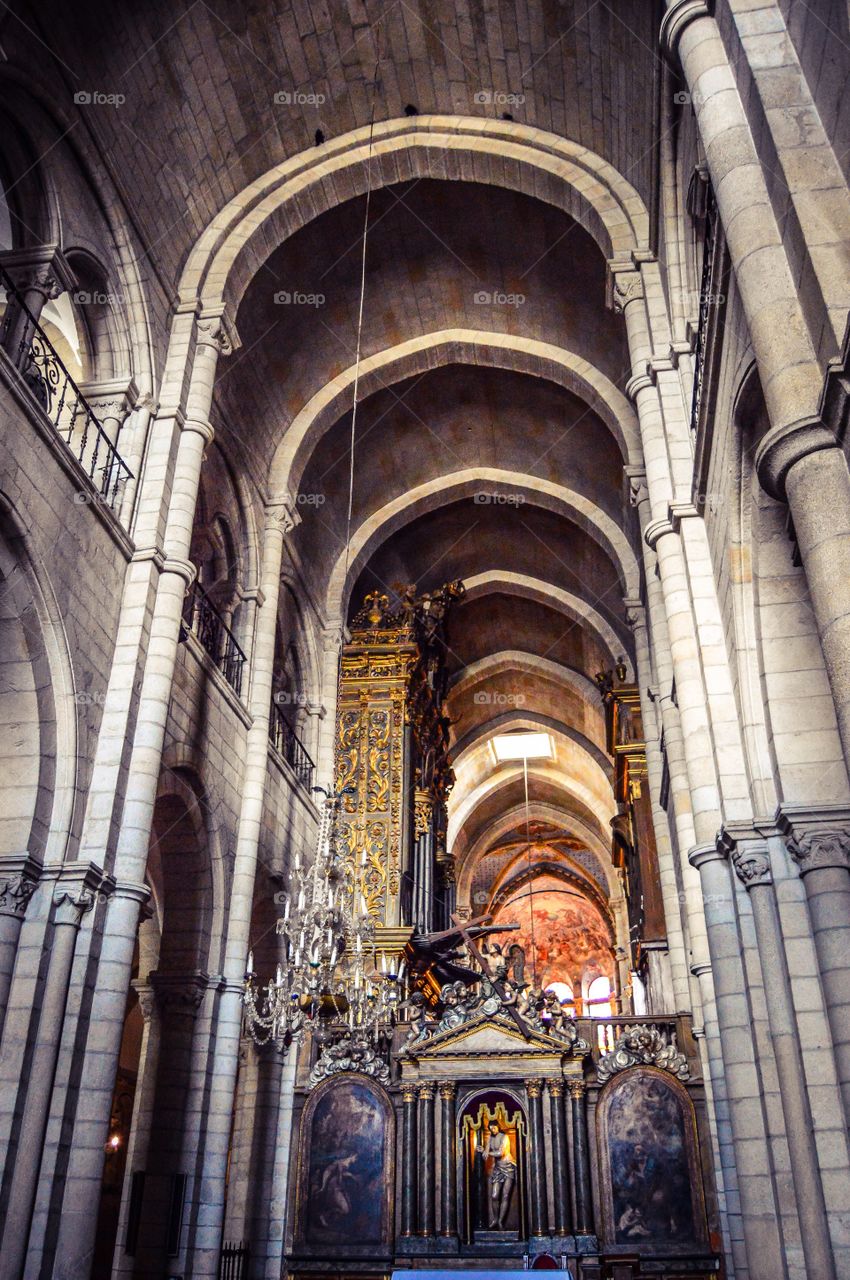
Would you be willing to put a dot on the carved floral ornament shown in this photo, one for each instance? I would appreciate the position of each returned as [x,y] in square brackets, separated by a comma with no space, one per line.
[643,1046]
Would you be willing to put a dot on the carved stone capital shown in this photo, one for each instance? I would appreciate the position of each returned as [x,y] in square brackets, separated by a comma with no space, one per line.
[17,885]
[576,1089]
[817,850]
[817,838]
[638,489]
[282,511]
[534,1088]
[179,993]
[635,613]
[111,400]
[147,999]
[42,269]
[556,1088]
[216,330]
[748,854]
[408,1093]
[448,1090]
[626,287]
[71,905]
[426,1091]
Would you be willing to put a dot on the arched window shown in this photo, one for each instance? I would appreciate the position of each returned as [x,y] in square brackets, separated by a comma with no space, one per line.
[599,998]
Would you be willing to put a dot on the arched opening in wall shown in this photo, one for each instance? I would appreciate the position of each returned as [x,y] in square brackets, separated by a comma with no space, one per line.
[24,219]
[28,715]
[253,1138]
[290,695]
[177,942]
[120,1129]
[214,610]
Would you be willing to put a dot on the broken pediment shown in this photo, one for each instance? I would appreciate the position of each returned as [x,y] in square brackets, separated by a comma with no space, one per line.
[488,1036]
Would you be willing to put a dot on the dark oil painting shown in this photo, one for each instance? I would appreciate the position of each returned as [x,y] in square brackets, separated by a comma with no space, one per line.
[346,1173]
[651,1161]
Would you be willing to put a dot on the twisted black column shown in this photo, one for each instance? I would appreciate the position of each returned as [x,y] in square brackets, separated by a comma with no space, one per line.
[581,1159]
[560,1189]
[426,1160]
[534,1089]
[409,1160]
[448,1160]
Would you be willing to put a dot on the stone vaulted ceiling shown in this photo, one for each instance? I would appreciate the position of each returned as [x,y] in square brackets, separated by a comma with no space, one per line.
[492,427]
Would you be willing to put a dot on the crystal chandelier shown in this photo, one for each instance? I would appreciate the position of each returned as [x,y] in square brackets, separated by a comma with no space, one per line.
[333,977]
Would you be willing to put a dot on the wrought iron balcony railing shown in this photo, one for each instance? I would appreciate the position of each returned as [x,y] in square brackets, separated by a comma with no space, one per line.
[51,384]
[707,300]
[201,617]
[286,741]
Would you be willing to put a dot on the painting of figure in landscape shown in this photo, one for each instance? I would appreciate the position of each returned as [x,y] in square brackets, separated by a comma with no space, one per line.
[346,1171]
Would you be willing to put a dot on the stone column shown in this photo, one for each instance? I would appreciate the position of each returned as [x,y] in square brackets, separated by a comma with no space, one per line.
[71,905]
[536,1158]
[203,1251]
[751,861]
[560,1159]
[448,1160]
[409,1161]
[819,842]
[165,552]
[426,1160]
[581,1159]
[798,459]
[18,878]
[816,485]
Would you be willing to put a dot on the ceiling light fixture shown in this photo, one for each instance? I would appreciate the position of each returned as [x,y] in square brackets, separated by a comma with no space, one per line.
[522,746]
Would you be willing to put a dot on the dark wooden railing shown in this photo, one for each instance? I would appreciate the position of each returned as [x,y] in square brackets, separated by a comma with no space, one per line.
[201,617]
[52,386]
[286,741]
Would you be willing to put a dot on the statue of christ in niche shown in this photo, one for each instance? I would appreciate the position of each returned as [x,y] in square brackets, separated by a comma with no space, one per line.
[500,1171]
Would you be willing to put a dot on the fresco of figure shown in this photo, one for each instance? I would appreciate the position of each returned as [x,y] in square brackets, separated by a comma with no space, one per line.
[500,1169]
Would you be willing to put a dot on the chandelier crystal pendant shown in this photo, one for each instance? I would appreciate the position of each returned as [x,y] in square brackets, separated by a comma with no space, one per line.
[332,977]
